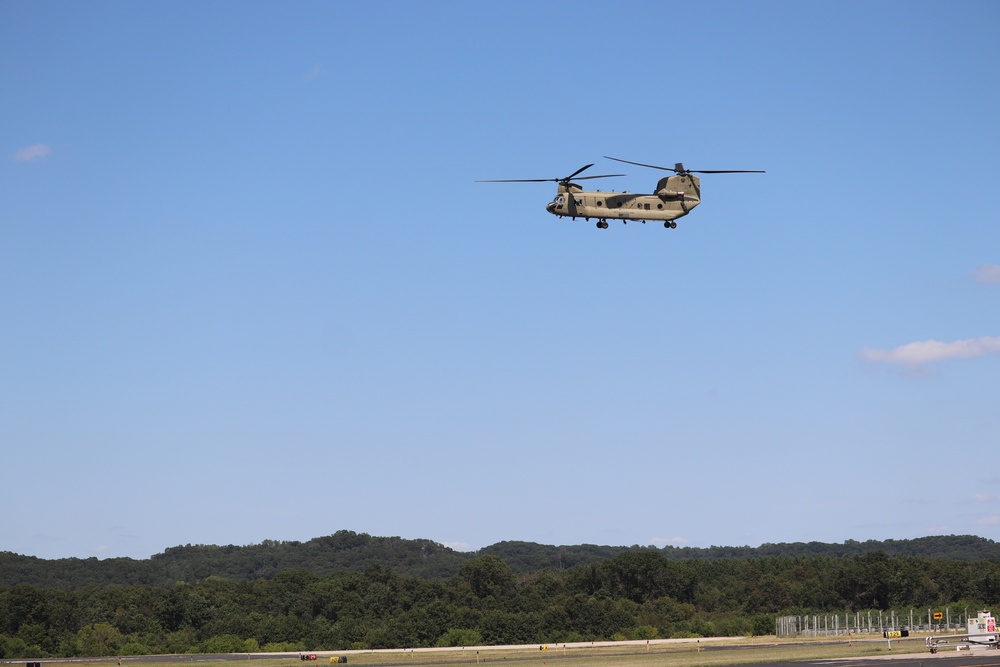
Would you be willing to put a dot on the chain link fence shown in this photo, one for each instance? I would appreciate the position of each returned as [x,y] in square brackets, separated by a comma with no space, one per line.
[872,622]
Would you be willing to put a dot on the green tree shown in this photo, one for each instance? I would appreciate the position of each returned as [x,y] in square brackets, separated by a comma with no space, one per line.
[98,640]
[488,576]
[181,641]
[637,575]
[134,648]
[762,624]
[499,627]
[13,647]
[460,637]
[223,644]
[863,583]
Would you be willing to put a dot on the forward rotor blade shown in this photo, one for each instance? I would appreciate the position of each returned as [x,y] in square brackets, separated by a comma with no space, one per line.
[584,168]
[545,180]
[520,180]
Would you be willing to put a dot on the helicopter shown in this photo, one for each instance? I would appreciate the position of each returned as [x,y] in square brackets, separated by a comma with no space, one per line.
[675,196]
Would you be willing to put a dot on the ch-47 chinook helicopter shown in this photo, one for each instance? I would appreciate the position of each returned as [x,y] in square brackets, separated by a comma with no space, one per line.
[675,196]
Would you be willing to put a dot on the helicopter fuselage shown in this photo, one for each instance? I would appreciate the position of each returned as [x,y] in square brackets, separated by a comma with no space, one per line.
[675,197]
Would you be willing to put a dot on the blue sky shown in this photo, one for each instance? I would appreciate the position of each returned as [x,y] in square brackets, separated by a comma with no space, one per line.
[250,289]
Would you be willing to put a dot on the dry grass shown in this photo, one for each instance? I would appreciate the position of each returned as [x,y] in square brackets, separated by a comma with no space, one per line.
[715,654]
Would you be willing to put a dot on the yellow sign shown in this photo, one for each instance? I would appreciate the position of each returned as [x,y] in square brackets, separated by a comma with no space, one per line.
[938,616]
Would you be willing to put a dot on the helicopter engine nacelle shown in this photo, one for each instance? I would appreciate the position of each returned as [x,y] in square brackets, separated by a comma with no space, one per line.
[677,187]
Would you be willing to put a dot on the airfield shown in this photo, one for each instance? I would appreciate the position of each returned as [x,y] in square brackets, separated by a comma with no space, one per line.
[687,652]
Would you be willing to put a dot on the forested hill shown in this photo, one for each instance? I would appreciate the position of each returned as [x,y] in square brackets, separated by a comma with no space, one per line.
[530,557]
[346,550]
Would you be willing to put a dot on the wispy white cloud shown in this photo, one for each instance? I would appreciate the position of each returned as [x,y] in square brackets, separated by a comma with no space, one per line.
[664,541]
[32,153]
[987,273]
[982,497]
[314,73]
[458,546]
[989,520]
[915,355]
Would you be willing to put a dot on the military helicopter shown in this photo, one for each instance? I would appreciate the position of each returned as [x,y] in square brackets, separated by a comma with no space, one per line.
[674,198]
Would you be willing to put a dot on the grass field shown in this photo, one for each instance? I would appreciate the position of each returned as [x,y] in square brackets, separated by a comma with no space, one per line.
[739,651]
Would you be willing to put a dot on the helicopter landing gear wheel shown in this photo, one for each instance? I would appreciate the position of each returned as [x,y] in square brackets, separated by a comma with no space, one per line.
[670,225]
[602,224]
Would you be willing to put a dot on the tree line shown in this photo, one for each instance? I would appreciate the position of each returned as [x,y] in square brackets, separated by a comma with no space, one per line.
[347,550]
[638,594]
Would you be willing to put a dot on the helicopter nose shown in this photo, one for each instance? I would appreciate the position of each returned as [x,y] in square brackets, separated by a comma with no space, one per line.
[551,207]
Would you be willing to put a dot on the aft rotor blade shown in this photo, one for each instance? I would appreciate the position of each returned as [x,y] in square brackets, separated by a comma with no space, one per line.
[639,164]
[726,171]
[587,178]
[689,171]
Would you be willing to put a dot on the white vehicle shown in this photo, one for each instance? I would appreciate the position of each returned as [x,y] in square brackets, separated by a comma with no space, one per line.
[981,632]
